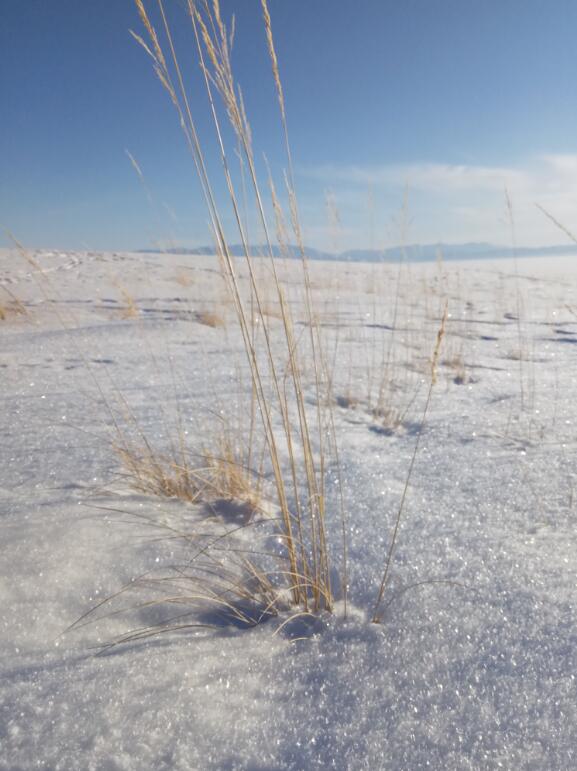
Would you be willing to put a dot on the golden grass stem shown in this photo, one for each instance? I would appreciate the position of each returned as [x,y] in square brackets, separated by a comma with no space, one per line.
[433,379]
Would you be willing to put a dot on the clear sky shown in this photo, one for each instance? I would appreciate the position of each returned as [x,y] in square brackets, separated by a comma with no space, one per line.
[456,99]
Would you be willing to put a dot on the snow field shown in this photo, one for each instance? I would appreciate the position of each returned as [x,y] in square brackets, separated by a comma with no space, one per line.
[474,664]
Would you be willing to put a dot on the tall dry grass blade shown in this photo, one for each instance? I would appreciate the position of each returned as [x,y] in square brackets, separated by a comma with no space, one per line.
[557,223]
[433,379]
[225,84]
[520,342]
[304,526]
[315,341]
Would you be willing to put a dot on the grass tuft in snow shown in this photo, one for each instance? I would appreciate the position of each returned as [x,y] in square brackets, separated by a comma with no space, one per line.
[287,429]
[260,549]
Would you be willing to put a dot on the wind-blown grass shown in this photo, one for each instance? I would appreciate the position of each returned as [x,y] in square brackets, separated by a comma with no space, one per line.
[274,358]
[295,544]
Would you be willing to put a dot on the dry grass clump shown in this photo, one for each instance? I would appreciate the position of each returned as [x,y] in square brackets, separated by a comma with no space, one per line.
[263,553]
[227,565]
[210,476]
[11,309]
[184,279]
[11,305]
[214,578]
[456,364]
[159,474]
[389,419]
[271,311]
[389,413]
[347,401]
[231,478]
[130,309]
[295,440]
[210,318]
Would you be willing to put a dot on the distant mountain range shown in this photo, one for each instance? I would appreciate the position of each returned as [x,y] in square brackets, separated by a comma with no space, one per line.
[411,253]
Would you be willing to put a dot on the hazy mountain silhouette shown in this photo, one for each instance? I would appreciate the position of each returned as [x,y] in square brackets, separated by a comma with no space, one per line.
[411,252]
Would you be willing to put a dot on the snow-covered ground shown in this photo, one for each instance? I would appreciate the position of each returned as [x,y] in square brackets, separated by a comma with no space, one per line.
[475,663]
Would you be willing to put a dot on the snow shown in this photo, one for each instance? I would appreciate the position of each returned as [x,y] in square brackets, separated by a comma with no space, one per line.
[474,664]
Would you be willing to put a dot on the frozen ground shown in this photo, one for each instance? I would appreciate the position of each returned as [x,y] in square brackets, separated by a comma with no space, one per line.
[478,672]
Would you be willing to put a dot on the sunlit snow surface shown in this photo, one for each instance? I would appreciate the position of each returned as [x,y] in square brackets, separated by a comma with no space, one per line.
[475,663]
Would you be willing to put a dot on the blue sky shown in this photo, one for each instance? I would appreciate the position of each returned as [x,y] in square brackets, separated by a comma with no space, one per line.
[455,100]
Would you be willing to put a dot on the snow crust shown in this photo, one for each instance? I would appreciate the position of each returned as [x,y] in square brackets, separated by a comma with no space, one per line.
[474,664]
